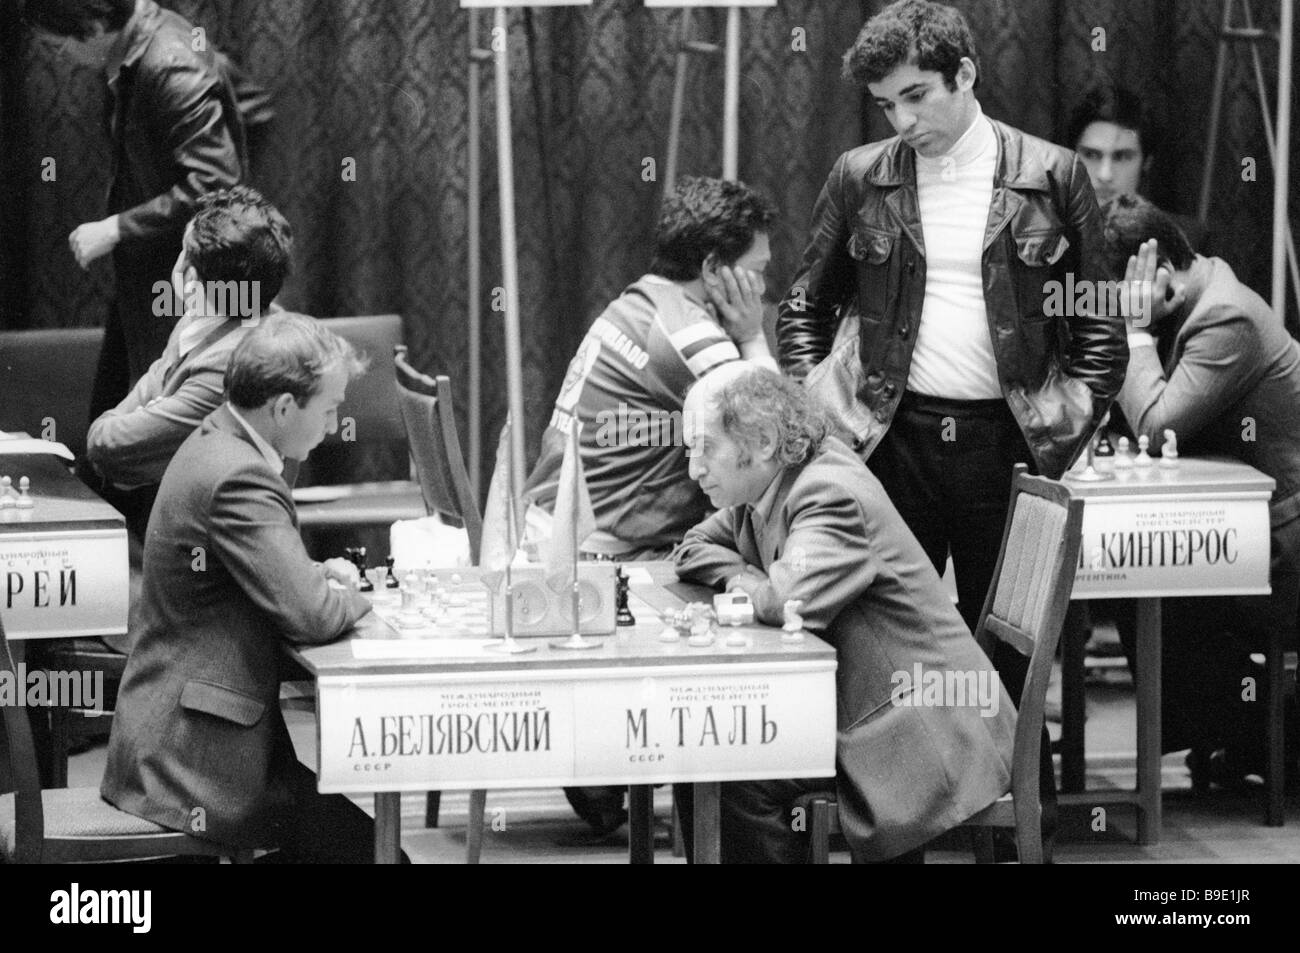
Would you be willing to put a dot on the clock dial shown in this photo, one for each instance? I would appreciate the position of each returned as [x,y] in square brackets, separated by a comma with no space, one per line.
[530,603]
[589,601]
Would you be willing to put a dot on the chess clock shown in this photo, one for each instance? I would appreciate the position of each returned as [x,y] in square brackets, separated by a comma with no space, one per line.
[541,610]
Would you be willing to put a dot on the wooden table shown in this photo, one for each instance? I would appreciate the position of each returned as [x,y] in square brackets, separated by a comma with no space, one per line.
[635,711]
[1199,529]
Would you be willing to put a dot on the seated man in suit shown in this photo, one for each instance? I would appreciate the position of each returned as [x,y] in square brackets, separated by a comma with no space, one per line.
[198,742]
[801,517]
[233,260]
[1216,366]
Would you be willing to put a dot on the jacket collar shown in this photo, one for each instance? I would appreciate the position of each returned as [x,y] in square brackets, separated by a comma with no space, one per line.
[896,164]
[132,41]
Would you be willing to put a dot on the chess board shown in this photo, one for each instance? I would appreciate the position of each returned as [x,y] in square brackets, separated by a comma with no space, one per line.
[460,611]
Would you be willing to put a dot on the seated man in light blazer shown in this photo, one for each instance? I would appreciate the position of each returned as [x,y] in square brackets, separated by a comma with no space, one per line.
[800,517]
[198,742]
[233,259]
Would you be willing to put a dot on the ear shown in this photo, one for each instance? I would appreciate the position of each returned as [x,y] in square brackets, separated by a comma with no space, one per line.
[280,406]
[766,449]
[709,267]
[966,74]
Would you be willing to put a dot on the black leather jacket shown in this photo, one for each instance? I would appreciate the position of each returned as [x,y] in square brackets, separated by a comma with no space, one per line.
[867,253]
[174,123]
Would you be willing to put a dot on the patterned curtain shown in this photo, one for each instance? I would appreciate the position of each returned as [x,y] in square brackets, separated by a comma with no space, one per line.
[383,83]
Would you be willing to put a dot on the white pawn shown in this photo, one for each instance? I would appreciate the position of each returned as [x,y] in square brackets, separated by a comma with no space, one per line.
[1123,455]
[24,502]
[6,492]
[1169,452]
[1143,459]
[792,629]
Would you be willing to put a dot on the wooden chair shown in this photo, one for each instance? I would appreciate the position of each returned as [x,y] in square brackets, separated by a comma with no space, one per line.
[1025,609]
[430,423]
[73,825]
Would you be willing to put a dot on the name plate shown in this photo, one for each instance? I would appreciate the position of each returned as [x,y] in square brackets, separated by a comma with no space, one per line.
[580,726]
[58,585]
[1196,545]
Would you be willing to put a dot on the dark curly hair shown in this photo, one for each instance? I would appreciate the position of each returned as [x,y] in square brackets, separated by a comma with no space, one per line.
[938,36]
[238,235]
[704,215]
[1108,102]
[1129,220]
[761,399]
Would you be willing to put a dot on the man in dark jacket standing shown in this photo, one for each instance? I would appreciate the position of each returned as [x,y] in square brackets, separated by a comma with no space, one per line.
[940,242]
[176,134]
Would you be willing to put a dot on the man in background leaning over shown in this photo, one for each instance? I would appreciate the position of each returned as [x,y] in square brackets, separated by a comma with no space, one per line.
[1217,367]
[198,742]
[800,517]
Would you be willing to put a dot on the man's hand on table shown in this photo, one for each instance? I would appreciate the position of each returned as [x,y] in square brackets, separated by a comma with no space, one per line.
[341,571]
[750,581]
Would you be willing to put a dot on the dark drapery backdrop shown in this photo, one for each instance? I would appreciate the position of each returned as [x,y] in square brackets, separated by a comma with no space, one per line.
[383,83]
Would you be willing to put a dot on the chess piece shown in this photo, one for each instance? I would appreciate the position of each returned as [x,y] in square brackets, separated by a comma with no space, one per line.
[671,631]
[391,582]
[621,583]
[1123,456]
[1143,459]
[1103,458]
[1169,451]
[358,557]
[24,502]
[701,617]
[792,628]
[6,493]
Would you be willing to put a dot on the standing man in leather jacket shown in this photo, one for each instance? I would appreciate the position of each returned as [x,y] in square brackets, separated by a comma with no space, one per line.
[175,133]
[943,242]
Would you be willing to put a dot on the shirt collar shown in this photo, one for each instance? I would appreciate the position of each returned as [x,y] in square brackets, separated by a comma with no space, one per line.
[191,331]
[772,496]
[273,459]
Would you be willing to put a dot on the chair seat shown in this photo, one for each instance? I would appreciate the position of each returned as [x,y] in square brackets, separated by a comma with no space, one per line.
[74,813]
[359,504]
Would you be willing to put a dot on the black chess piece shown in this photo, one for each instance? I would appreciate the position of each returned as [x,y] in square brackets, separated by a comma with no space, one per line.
[391,582]
[358,556]
[624,616]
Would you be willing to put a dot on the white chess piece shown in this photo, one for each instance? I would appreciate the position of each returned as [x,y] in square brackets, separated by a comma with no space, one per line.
[792,628]
[6,493]
[1169,451]
[24,502]
[1143,459]
[1123,456]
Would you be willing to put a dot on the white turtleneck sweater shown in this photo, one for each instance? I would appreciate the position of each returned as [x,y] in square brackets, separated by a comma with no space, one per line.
[954,353]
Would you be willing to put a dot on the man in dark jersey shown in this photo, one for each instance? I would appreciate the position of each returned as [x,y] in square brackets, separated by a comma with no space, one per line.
[700,306]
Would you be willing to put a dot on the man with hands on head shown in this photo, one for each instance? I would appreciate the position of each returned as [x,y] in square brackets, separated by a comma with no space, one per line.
[198,742]
[1211,361]
[699,307]
[800,517]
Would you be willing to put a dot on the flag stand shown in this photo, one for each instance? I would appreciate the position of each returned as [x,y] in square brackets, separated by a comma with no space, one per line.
[510,645]
[577,640]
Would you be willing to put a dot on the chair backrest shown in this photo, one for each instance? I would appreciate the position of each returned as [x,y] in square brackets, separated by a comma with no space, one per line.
[18,770]
[1026,605]
[45,377]
[430,423]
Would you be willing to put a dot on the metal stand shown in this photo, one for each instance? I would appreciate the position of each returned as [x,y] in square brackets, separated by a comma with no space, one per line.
[1279,142]
[687,48]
